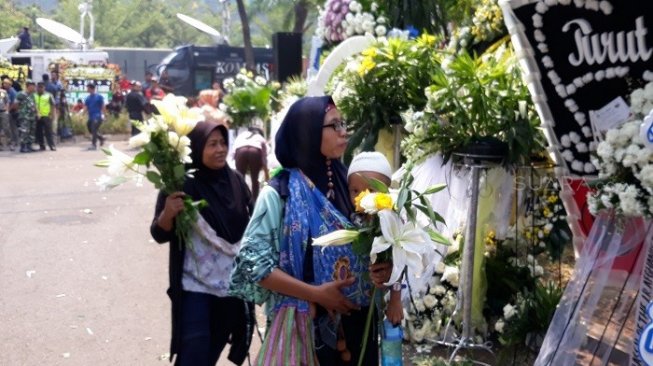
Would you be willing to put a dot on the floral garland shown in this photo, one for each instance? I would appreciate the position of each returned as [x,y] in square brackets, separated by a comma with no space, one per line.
[341,19]
[625,164]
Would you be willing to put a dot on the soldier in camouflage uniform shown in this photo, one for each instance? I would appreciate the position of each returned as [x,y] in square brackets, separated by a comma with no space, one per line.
[26,117]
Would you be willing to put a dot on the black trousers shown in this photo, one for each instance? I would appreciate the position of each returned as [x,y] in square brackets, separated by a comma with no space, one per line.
[206,324]
[44,128]
[354,328]
[93,126]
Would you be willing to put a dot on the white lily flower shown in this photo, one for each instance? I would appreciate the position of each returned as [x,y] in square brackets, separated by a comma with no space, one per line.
[119,162]
[409,245]
[177,115]
[338,237]
[139,140]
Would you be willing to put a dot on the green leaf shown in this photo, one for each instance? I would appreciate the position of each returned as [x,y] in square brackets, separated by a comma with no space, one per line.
[106,151]
[434,189]
[155,178]
[377,185]
[142,158]
[401,199]
[432,215]
[179,171]
[437,237]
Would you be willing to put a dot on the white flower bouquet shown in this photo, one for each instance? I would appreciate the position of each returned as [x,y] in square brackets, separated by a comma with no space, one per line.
[163,154]
[388,230]
[625,165]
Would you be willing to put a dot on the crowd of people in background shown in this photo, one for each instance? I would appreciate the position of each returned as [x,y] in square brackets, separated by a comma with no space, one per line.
[27,115]
[33,114]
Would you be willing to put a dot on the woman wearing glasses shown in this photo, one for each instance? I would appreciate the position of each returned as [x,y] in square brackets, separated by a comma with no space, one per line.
[316,298]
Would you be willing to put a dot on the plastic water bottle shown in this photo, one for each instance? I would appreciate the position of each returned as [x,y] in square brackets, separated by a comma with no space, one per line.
[391,345]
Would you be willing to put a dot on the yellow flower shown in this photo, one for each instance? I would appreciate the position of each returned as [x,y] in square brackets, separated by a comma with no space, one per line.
[383,201]
[427,39]
[552,199]
[370,52]
[357,200]
[546,212]
[366,65]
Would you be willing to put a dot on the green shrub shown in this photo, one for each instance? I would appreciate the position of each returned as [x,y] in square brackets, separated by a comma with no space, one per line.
[112,125]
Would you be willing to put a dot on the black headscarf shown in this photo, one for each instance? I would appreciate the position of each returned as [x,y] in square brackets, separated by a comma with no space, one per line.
[224,190]
[298,143]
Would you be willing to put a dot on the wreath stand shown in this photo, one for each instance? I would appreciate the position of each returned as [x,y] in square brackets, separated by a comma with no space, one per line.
[477,157]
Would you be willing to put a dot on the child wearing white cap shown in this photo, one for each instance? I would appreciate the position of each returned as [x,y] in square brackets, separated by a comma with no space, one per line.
[364,166]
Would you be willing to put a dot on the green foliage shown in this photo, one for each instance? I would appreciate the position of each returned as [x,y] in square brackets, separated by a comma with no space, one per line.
[112,125]
[248,98]
[477,97]
[535,310]
[506,281]
[122,22]
[387,79]
[13,19]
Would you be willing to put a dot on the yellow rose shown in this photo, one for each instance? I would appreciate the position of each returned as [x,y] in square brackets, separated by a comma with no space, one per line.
[357,200]
[383,201]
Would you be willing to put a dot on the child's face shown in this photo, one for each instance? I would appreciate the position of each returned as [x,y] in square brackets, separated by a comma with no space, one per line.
[358,183]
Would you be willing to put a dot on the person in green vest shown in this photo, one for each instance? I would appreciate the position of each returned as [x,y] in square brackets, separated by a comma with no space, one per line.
[45,114]
[26,117]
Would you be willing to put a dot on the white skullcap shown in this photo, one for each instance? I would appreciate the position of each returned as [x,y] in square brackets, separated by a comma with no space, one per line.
[370,161]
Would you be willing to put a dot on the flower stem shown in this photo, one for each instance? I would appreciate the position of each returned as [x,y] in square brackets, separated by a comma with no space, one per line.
[366,333]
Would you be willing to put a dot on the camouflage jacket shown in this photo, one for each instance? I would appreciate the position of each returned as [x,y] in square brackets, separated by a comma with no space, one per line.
[26,106]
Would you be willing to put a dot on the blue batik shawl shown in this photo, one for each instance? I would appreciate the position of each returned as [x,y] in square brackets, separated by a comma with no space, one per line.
[309,214]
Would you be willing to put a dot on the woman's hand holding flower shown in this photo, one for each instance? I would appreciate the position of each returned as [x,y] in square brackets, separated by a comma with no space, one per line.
[173,206]
[380,273]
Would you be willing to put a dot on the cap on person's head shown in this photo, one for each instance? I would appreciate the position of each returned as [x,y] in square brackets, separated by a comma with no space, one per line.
[136,83]
[40,83]
[154,79]
[370,161]
[46,77]
[29,82]
[90,85]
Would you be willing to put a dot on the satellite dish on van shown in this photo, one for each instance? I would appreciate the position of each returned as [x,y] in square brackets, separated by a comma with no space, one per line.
[202,27]
[61,31]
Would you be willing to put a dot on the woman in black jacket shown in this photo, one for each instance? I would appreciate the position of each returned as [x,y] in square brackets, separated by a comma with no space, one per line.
[204,318]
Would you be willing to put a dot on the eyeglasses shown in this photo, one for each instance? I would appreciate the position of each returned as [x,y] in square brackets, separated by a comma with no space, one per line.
[337,126]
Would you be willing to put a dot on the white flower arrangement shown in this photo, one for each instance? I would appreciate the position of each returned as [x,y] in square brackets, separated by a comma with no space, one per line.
[341,19]
[625,164]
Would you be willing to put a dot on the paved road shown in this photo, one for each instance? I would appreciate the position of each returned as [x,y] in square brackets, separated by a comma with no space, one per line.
[81,281]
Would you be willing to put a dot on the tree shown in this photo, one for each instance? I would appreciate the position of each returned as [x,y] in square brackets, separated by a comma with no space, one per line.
[247,39]
[13,19]
[145,23]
